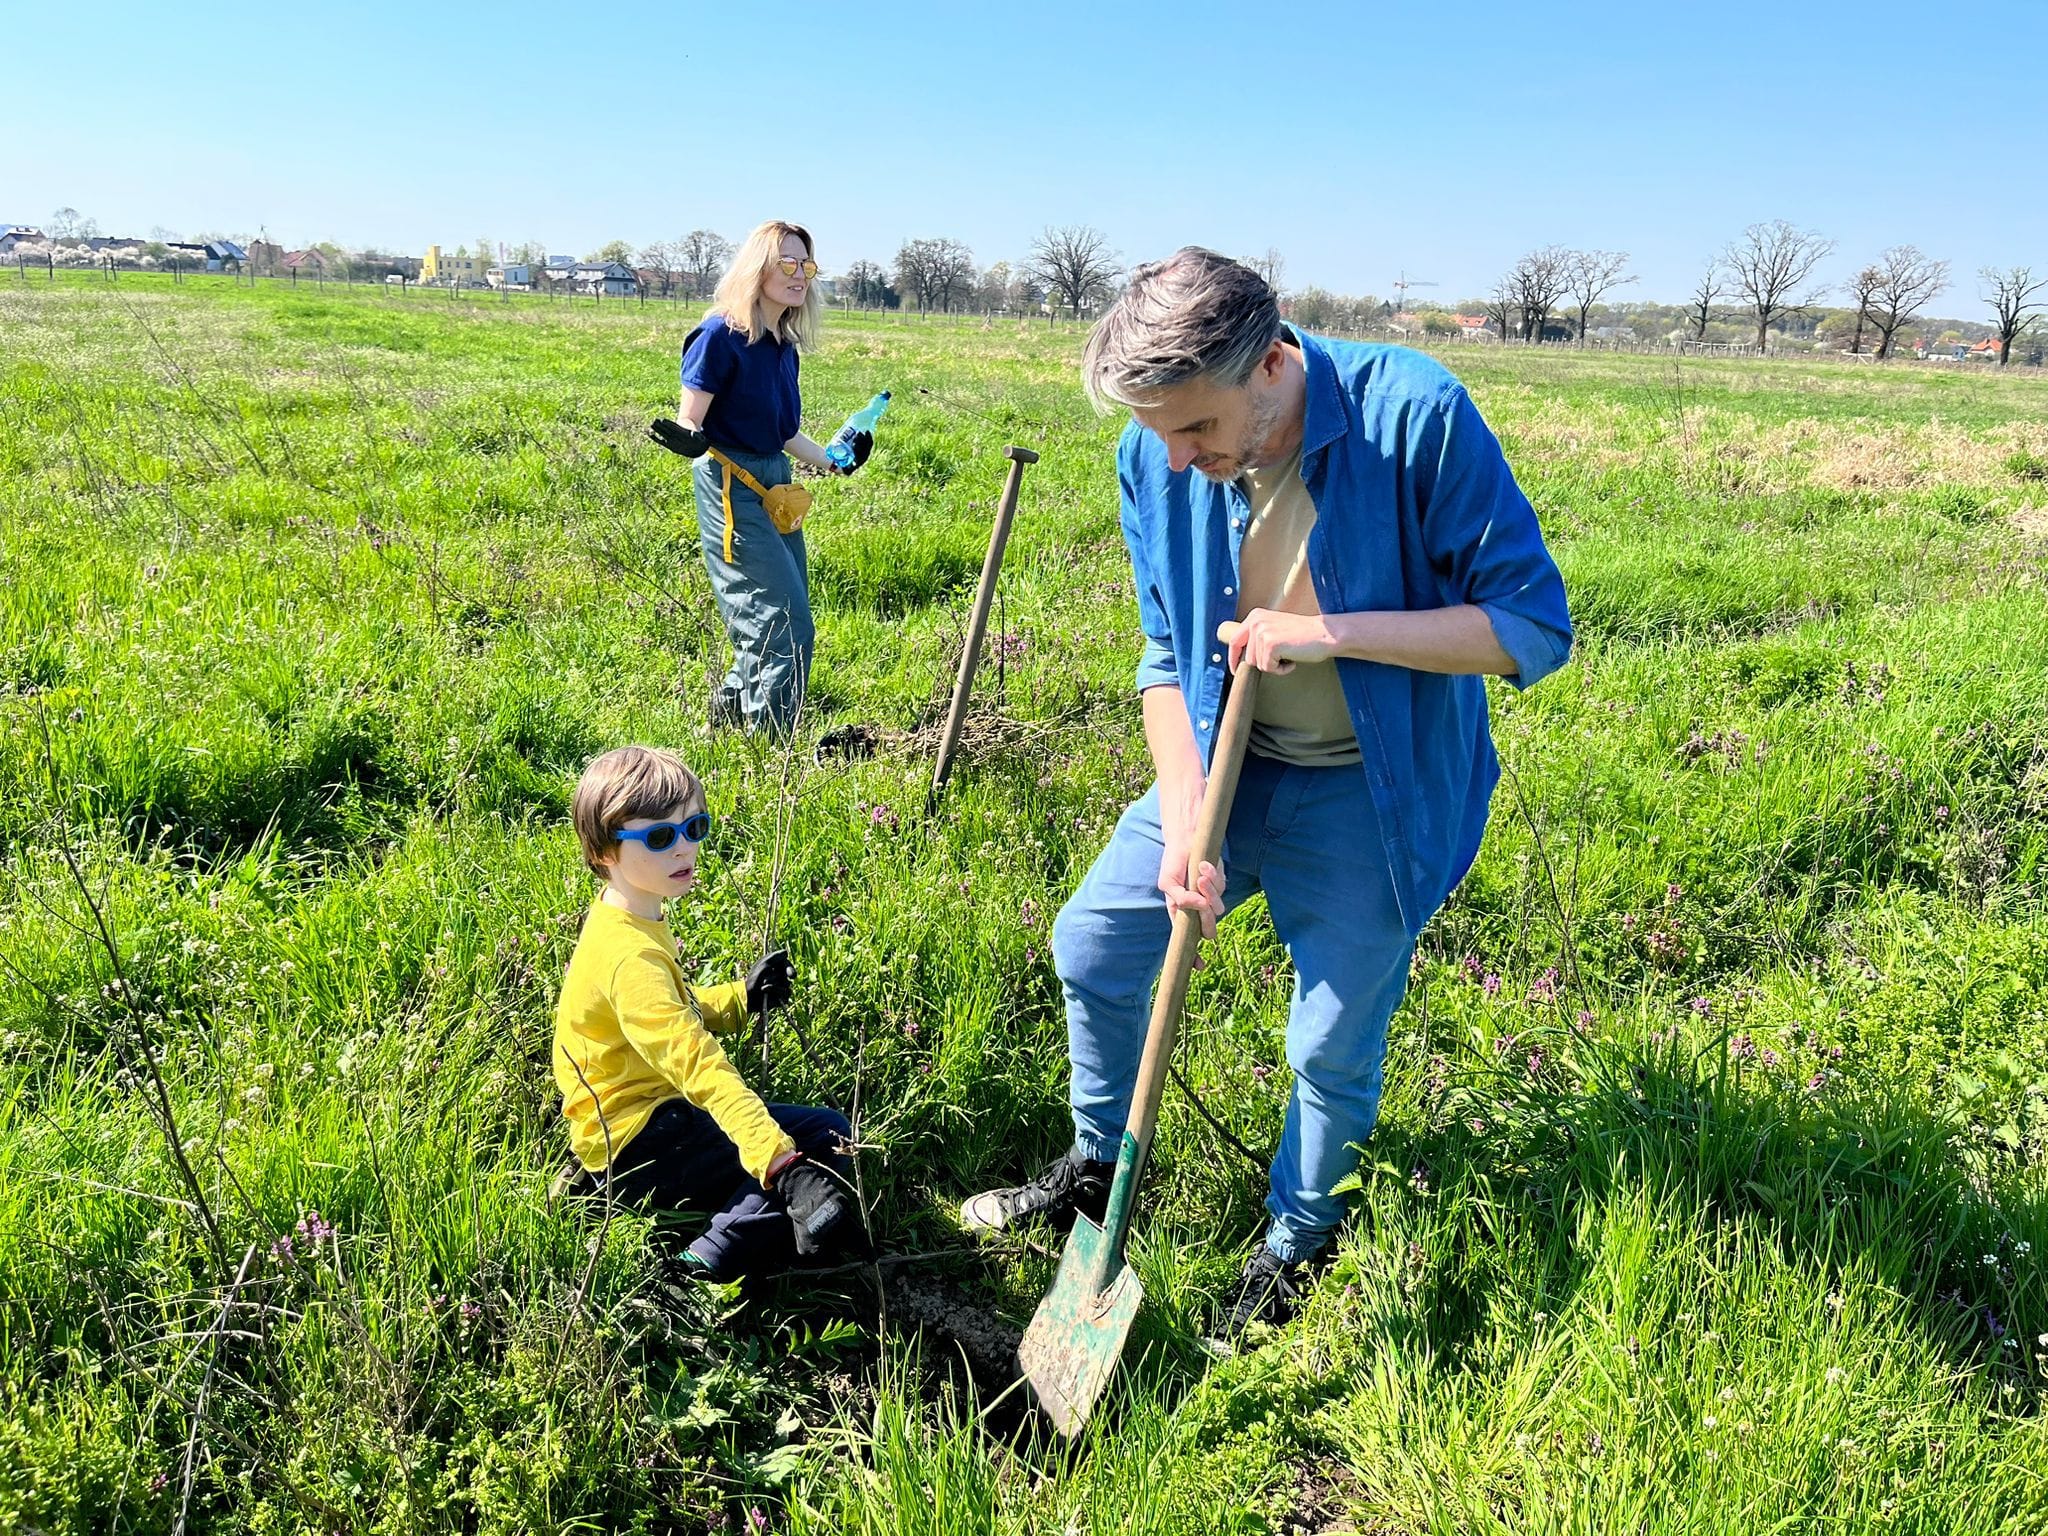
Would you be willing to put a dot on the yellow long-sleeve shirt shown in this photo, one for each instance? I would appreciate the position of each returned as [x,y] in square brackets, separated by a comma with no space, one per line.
[642,1035]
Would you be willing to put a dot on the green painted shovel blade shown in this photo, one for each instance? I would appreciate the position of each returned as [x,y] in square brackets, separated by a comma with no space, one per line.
[1076,1335]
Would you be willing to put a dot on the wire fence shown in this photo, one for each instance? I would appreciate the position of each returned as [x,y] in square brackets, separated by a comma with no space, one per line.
[2029,353]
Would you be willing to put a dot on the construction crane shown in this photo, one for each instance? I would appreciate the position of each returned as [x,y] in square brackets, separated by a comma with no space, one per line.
[1401,286]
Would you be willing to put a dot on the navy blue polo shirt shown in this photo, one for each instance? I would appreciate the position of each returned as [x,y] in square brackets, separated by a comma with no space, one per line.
[754,405]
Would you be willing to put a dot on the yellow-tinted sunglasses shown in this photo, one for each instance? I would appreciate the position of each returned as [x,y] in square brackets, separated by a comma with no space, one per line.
[789,266]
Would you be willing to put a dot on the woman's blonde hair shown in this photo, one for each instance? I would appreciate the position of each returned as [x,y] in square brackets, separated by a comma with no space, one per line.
[738,296]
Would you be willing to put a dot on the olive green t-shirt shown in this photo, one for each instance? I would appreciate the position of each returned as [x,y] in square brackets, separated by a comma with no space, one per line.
[1301,716]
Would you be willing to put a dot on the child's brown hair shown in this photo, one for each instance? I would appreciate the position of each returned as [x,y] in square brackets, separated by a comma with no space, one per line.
[622,784]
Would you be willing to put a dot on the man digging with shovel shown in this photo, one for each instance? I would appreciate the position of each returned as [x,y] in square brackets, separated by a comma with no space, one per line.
[1351,530]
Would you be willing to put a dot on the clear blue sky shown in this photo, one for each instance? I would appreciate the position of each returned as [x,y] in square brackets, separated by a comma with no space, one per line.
[1356,139]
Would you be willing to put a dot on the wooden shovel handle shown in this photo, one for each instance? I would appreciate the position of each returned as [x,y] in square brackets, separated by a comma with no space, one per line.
[977,623]
[1217,795]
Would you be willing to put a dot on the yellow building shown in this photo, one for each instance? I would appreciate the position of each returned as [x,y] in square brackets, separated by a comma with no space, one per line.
[461,270]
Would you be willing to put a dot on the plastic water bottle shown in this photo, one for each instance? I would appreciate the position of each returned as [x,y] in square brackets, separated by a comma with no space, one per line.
[840,449]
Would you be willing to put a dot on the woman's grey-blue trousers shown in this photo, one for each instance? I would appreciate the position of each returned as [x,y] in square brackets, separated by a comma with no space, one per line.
[763,592]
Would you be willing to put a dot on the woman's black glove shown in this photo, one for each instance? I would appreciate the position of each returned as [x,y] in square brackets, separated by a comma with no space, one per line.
[821,1209]
[677,438]
[771,983]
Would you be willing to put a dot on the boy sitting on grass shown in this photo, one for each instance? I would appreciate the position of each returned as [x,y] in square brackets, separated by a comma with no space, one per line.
[658,1116]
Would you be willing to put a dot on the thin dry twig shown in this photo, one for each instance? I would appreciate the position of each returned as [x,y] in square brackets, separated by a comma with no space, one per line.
[583,1284]
[205,1388]
[110,946]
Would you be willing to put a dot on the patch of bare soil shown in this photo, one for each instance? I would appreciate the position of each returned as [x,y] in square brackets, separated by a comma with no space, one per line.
[1319,1504]
[989,1343]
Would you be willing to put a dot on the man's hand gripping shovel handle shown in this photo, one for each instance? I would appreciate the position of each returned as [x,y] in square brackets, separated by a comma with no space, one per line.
[1224,765]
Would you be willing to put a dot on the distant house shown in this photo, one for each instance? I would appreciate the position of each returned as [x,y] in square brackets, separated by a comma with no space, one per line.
[1473,327]
[453,271]
[518,275]
[609,279]
[310,262]
[1988,347]
[219,255]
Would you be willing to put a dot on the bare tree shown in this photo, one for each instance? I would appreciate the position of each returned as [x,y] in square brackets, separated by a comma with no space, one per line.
[2015,298]
[1316,309]
[1863,289]
[1769,265]
[701,256]
[666,262]
[1026,292]
[864,283]
[1589,274]
[1075,262]
[993,291]
[1536,283]
[1700,307]
[956,274]
[1906,280]
[70,224]
[1269,266]
[1500,307]
[933,271]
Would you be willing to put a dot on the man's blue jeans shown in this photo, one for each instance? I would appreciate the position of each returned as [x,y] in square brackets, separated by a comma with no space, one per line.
[1305,836]
[763,592]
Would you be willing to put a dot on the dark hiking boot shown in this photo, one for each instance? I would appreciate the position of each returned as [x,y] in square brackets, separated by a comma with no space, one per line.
[1269,1290]
[854,743]
[722,710]
[1074,1183]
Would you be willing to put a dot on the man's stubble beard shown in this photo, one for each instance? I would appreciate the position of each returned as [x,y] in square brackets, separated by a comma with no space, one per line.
[1266,416]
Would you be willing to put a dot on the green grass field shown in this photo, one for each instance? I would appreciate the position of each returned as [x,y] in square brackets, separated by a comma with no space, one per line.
[1711,1191]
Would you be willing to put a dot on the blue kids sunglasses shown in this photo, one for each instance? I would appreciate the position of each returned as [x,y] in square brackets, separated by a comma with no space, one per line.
[661,837]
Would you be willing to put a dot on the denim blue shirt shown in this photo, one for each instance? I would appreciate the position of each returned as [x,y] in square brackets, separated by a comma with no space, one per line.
[1416,509]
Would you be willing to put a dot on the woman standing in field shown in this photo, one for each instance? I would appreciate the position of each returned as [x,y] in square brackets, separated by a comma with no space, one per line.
[739,420]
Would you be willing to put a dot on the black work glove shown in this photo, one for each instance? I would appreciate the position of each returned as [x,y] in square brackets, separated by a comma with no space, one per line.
[821,1209]
[862,444]
[771,983]
[677,438]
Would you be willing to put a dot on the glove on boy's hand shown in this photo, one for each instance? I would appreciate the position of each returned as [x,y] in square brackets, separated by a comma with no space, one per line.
[820,1209]
[862,444]
[677,438]
[771,983]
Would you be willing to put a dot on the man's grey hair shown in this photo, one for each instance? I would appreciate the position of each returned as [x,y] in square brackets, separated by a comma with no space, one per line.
[1194,315]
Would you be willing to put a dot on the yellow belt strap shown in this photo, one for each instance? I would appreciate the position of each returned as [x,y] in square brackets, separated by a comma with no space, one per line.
[748,481]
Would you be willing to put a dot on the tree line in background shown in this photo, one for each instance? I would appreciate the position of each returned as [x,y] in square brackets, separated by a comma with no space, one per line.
[1763,284]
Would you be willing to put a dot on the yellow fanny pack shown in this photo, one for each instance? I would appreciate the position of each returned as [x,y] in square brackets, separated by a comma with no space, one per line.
[787,505]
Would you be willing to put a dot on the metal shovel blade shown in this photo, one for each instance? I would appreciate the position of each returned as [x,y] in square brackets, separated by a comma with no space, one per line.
[1076,1335]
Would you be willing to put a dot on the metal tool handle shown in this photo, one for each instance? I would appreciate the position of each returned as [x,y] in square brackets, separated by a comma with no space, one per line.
[977,623]
[1179,970]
